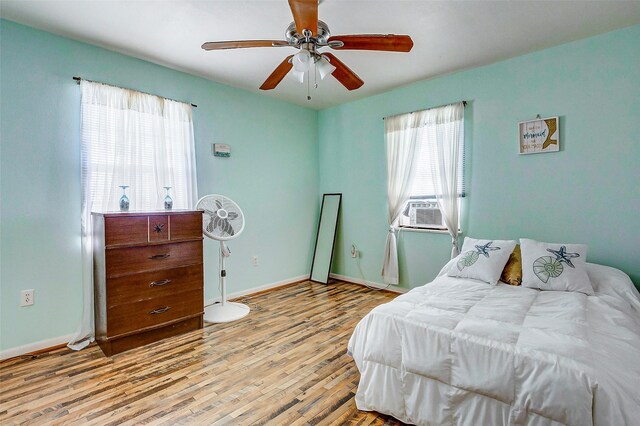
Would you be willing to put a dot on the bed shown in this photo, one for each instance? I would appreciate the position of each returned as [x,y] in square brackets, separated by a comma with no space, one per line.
[461,352]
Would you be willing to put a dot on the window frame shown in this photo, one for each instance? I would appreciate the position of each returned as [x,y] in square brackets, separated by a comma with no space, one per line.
[404,220]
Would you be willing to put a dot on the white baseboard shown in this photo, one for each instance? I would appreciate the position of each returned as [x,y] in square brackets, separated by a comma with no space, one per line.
[392,288]
[257,289]
[35,346]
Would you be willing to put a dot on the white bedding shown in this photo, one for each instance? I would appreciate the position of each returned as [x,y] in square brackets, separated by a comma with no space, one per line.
[461,352]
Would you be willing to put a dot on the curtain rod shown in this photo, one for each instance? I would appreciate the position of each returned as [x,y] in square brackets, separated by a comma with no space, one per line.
[464,103]
[79,79]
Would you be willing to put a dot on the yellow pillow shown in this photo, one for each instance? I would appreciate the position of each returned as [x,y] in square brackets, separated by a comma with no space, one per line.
[512,272]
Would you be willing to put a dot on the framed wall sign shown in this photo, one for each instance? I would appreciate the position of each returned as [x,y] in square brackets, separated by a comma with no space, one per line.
[539,135]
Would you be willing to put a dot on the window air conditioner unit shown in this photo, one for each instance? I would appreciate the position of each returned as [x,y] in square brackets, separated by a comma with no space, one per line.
[425,214]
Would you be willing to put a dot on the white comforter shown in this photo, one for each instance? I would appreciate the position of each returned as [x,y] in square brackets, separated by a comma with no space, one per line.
[461,352]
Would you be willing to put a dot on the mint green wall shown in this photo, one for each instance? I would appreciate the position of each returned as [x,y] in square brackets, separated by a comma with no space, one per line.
[272,174]
[589,192]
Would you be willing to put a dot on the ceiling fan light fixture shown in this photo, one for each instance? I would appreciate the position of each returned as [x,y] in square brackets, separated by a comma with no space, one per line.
[301,61]
[298,75]
[324,67]
[308,34]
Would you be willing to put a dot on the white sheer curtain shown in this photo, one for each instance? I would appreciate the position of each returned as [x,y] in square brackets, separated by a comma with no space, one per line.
[135,139]
[445,133]
[402,134]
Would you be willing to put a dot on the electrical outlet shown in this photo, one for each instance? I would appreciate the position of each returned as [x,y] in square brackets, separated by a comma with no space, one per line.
[254,260]
[26,297]
[354,251]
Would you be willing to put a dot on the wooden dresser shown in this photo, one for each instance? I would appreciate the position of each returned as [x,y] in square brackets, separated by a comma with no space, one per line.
[148,276]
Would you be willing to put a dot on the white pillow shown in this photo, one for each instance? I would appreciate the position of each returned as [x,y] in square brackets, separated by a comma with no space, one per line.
[482,260]
[560,267]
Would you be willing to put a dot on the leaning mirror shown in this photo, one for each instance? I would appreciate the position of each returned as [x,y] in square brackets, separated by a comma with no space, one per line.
[325,239]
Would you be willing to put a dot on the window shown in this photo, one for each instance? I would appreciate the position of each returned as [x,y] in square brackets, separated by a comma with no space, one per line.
[424,150]
[135,139]
[422,211]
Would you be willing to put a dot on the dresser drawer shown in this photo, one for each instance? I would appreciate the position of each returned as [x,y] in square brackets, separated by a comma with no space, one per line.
[126,230]
[158,228]
[132,288]
[153,312]
[133,260]
[185,226]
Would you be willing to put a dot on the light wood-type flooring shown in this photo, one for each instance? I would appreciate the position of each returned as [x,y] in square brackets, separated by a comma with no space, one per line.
[284,364]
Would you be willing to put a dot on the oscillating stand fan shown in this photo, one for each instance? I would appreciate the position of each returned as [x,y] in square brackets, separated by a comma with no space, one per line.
[223,220]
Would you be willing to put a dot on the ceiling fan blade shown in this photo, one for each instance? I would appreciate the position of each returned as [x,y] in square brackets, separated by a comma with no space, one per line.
[343,74]
[305,13]
[386,42]
[239,44]
[278,74]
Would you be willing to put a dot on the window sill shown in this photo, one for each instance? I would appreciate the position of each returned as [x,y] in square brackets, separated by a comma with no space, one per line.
[425,230]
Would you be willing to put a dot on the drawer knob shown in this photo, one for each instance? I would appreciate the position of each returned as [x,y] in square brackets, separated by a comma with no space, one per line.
[160,310]
[159,256]
[159,283]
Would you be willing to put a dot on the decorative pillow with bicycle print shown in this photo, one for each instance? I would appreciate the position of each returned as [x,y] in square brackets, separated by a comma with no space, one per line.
[559,267]
[482,260]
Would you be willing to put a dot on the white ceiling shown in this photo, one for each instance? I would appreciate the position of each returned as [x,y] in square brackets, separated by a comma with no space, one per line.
[448,35]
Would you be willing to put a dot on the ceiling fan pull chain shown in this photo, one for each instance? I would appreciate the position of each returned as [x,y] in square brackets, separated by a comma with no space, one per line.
[315,75]
[308,84]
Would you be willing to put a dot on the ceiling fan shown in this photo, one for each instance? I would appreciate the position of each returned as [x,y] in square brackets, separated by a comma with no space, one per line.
[308,34]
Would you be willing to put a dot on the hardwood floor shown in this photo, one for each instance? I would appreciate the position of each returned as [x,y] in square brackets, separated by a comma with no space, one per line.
[284,364]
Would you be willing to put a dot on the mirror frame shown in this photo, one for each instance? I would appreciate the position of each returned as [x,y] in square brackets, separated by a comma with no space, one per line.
[335,232]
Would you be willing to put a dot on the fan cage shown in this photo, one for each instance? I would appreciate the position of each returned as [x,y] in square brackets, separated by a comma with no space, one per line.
[222,218]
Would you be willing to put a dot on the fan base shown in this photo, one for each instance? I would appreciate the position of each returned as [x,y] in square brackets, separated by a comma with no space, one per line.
[228,312]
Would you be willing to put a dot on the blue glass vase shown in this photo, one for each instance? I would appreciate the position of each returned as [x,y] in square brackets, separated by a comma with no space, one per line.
[124,200]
